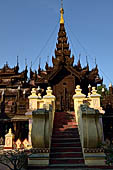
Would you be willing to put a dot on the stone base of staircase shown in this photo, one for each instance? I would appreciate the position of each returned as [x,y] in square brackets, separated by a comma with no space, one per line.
[94,158]
[38,159]
[66,151]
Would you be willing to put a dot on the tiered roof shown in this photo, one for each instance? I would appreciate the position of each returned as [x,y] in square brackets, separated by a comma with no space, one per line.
[63,60]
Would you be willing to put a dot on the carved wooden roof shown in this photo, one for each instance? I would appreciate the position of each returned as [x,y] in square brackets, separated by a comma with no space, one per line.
[7,70]
[10,77]
[62,60]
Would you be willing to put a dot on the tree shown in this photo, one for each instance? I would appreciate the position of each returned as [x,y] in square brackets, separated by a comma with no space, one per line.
[14,159]
[101,88]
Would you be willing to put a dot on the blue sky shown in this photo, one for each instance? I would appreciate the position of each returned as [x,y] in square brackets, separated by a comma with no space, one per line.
[28,29]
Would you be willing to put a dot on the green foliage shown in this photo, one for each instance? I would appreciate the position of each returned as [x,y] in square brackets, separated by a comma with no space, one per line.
[108,149]
[99,89]
[109,155]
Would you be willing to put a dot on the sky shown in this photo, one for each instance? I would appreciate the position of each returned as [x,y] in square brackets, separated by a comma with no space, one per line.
[29,29]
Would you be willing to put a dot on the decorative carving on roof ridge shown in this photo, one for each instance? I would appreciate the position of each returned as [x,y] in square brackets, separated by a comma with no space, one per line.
[7,69]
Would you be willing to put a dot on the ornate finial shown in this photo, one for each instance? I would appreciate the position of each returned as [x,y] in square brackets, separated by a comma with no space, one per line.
[31,64]
[38,88]
[6,63]
[61,12]
[48,59]
[79,56]
[49,91]
[39,69]
[110,85]
[95,61]
[89,87]
[26,62]
[10,131]
[17,61]
[87,60]
[39,61]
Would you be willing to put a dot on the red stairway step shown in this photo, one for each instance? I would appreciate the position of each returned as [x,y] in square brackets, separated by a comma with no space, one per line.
[66,132]
[66,149]
[66,154]
[63,113]
[64,116]
[65,122]
[72,123]
[64,139]
[71,126]
[71,144]
[66,135]
[67,161]
[66,127]
[75,127]
[61,130]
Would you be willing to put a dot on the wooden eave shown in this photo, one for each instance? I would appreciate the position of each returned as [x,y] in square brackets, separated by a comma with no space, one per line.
[62,33]
[73,71]
[6,74]
[65,45]
[68,68]
[65,52]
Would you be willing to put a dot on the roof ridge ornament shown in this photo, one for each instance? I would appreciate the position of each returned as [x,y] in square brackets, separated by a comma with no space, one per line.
[61,12]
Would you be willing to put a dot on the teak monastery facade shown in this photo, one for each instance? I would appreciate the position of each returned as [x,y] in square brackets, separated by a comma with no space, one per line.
[63,77]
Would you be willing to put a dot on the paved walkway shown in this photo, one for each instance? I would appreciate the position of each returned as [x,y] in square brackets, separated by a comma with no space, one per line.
[2,167]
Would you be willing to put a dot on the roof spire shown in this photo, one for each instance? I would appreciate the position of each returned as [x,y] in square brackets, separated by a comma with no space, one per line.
[17,61]
[61,12]
[61,3]
[26,62]
[31,64]
[87,60]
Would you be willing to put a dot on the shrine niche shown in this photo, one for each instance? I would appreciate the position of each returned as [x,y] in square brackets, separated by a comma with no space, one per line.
[64,75]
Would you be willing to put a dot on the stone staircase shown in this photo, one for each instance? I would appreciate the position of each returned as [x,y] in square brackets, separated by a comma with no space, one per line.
[66,148]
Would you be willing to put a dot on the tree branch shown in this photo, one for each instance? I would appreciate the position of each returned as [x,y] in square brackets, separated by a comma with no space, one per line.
[6,165]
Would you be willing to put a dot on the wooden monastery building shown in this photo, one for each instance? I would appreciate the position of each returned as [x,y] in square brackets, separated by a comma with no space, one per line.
[63,77]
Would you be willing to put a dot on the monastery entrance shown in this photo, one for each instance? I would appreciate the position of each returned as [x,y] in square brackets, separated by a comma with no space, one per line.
[64,91]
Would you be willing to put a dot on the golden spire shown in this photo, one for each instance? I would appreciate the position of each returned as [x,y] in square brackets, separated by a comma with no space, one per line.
[61,12]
